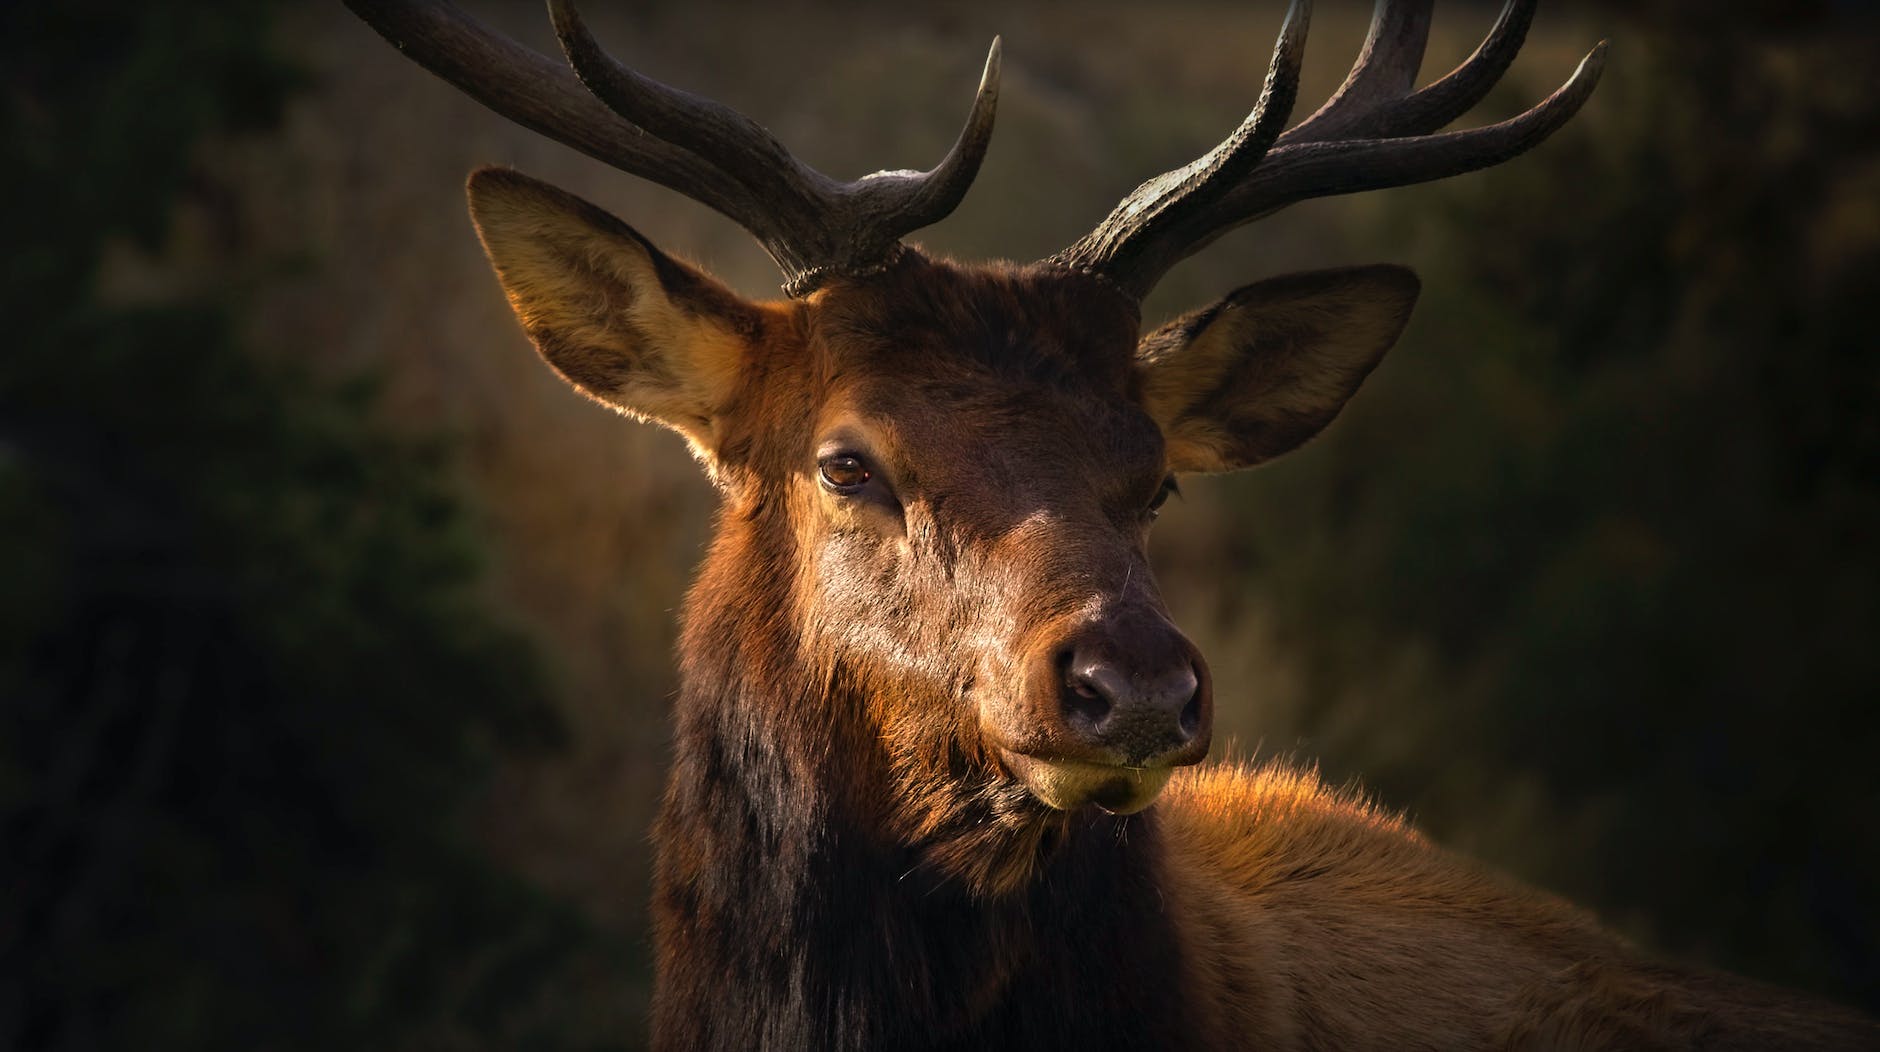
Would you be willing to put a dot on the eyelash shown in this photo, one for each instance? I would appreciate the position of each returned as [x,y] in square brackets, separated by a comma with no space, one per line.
[1169,489]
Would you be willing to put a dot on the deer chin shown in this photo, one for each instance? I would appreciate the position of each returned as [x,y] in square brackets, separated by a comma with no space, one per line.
[1066,785]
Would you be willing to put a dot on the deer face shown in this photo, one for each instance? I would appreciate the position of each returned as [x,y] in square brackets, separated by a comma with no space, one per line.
[953,472]
[974,500]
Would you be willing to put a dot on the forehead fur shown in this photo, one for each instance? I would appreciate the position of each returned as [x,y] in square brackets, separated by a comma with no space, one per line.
[947,352]
[1037,322]
[1017,377]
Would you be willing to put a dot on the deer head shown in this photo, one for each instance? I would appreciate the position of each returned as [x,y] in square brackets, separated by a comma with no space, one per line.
[938,478]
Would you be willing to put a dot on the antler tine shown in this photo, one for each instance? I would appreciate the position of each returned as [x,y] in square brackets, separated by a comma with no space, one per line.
[720,135]
[1374,133]
[812,225]
[1175,196]
[927,197]
[1307,170]
[805,208]
[1386,69]
[1425,111]
[1323,169]
[1467,84]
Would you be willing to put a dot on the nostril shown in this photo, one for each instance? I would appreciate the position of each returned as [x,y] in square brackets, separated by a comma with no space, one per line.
[1084,700]
[1189,691]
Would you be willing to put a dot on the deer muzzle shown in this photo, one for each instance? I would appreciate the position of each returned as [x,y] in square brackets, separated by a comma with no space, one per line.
[1107,710]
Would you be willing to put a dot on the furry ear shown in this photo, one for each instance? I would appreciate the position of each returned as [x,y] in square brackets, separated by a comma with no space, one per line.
[621,321]
[1265,369]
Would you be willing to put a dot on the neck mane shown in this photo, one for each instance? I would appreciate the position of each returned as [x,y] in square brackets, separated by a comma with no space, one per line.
[784,918]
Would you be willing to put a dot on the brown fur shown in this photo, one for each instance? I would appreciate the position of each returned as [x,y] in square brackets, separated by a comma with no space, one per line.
[1325,923]
[855,849]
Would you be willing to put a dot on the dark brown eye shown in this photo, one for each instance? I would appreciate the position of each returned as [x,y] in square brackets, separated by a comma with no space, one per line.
[1162,495]
[843,472]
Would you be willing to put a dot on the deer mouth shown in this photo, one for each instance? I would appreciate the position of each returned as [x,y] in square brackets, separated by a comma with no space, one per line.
[1066,785]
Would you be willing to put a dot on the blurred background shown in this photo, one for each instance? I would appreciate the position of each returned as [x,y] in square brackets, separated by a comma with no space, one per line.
[335,632]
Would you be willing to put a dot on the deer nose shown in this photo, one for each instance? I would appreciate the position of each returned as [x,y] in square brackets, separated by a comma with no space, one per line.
[1140,713]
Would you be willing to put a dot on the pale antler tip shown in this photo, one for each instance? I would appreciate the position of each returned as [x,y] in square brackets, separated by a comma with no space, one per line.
[571,32]
[560,11]
[1590,67]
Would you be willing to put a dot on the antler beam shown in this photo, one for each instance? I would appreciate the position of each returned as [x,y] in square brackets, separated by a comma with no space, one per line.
[812,225]
[1374,132]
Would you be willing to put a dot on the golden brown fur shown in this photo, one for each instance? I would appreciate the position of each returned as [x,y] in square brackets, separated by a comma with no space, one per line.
[1311,919]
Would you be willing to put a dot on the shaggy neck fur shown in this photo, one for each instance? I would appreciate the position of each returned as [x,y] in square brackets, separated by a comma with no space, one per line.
[786,919]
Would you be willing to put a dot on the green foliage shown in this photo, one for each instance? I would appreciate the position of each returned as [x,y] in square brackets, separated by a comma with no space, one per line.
[1604,532]
[247,692]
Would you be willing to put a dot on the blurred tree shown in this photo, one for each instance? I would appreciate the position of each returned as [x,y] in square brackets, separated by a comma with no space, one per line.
[247,694]
[1591,582]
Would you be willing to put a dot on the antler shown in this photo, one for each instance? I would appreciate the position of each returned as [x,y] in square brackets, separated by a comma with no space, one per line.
[812,225]
[1375,132]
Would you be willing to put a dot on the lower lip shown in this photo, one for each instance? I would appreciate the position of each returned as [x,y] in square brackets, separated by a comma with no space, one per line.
[1067,785]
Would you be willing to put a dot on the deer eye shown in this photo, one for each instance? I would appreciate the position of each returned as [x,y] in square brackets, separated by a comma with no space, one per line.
[843,473]
[1169,489]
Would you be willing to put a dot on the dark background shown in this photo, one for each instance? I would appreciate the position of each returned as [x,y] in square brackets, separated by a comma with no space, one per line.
[334,632]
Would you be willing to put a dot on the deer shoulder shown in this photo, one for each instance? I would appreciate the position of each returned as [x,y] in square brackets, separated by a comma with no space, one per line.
[1316,919]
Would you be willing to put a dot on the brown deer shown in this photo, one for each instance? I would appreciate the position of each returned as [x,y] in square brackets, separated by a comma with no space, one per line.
[924,789]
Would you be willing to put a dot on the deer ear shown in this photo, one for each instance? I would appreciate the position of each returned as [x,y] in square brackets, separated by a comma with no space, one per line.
[1265,369]
[617,318]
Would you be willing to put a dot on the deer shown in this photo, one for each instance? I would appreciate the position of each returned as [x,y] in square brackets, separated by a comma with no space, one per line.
[935,779]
